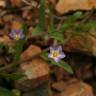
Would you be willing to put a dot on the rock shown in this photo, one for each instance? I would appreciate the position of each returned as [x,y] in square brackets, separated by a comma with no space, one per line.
[7,18]
[27,85]
[59,86]
[3,3]
[36,72]
[64,6]
[60,74]
[77,88]
[34,4]
[5,39]
[85,44]
[35,68]
[42,90]
[31,51]
[92,44]
[16,3]
[53,1]
[94,93]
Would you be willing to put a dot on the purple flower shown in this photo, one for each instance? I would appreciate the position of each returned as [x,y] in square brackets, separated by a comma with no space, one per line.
[16,34]
[56,53]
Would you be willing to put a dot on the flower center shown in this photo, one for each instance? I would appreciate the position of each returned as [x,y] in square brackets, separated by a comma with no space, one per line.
[55,54]
[17,37]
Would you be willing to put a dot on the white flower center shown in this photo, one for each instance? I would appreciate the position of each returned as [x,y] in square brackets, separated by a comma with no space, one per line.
[55,54]
[17,37]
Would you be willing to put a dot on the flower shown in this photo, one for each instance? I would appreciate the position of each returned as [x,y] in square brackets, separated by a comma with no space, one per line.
[56,53]
[16,34]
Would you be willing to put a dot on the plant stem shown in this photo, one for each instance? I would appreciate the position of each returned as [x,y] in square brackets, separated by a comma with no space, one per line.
[22,61]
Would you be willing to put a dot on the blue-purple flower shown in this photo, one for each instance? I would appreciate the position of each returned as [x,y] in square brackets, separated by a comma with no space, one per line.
[16,34]
[56,53]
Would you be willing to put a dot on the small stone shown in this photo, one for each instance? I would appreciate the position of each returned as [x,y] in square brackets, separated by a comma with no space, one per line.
[5,39]
[53,1]
[31,51]
[34,3]
[16,3]
[77,89]
[59,73]
[2,3]
[59,86]
[8,18]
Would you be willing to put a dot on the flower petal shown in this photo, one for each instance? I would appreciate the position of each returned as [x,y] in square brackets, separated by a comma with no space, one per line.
[51,49]
[13,31]
[59,49]
[49,55]
[18,31]
[21,35]
[11,35]
[56,59]
[62,55]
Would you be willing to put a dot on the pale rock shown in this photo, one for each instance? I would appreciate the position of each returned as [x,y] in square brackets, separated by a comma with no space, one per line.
[8,18]
[77,89]
[36,72]
[30,51]
[85,44]
[93,44]
[59,86]
[35,68]
[64,6]
[2,3]
[5,39]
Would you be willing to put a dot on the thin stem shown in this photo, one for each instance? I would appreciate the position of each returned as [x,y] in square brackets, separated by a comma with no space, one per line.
[22,61]
[26,2]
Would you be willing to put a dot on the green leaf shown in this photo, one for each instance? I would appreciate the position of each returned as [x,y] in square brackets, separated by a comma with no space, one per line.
[12,76]
[18,49]
[39,28]
[57,36]
[52,33]
[51,27]
[89,25]
[1,47]
[42,14]
[36,31]
[15,76]
[63,65]
[44,56]
[75,16]
[25,29]
[6,92]
[65,26]
[16,92]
